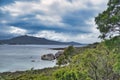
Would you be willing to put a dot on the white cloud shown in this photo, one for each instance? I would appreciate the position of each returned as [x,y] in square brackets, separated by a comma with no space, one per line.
[53,10]
[3,21]
[42,5]
[92,26]
[49,6]
[17,31]
[65,37]
[51,21]
[98,2]
[52,35]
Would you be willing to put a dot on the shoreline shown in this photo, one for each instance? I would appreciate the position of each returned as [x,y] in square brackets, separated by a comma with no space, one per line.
[29,70]
[57,48]
[17,71]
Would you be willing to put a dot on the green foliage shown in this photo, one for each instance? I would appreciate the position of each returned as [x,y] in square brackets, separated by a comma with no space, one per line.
[117,64]
[44,74]
[1,78]
[66,56]
[69,51]
[68,73]
[100,63]
[109,21]
[61,60]
[113,44]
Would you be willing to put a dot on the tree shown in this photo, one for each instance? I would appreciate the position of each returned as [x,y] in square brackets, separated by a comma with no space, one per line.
[69,51]
[109,21]
[61,60]
[68,73]
[66,56]
[99,63]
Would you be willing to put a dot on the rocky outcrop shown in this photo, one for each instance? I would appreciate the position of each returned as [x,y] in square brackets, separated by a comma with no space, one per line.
[59,53]
[48,57]
[51,56]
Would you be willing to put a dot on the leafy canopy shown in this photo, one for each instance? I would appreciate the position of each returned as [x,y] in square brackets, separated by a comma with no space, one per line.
[109,21]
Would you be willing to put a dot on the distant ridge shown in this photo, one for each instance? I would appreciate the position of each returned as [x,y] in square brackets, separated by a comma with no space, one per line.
[25,39]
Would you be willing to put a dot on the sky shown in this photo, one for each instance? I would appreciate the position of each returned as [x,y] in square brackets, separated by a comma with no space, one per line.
[59,20]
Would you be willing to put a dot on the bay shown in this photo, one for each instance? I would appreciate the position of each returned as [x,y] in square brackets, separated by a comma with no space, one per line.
[24,57]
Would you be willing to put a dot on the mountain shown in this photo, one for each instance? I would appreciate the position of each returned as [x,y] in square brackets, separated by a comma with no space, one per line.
[34,40]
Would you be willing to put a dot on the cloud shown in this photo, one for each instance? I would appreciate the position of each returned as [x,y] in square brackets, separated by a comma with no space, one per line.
[51,35]
[93,26]
[44,6]
[51,11]
[51,21]
[3,21]
[7,32]
[79,37]
[62,20]
[98,2]
[17,31]
[64,37]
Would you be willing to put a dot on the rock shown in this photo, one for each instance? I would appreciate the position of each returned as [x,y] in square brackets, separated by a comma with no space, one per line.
[32,60]
[59,53]
[31,57]
[48,57]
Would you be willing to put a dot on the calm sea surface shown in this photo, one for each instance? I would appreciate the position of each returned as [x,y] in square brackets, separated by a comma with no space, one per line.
[20,57]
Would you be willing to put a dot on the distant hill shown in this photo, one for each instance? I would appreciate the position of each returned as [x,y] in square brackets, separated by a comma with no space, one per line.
[23,40]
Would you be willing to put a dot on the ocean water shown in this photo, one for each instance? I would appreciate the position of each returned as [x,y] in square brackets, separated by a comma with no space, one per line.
[20,57]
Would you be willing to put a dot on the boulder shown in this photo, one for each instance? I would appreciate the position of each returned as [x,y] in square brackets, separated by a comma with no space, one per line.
[32,60]
[59,53]
[48,57]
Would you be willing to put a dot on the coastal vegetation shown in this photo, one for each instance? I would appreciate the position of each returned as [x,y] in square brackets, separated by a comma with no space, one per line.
[99,61]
